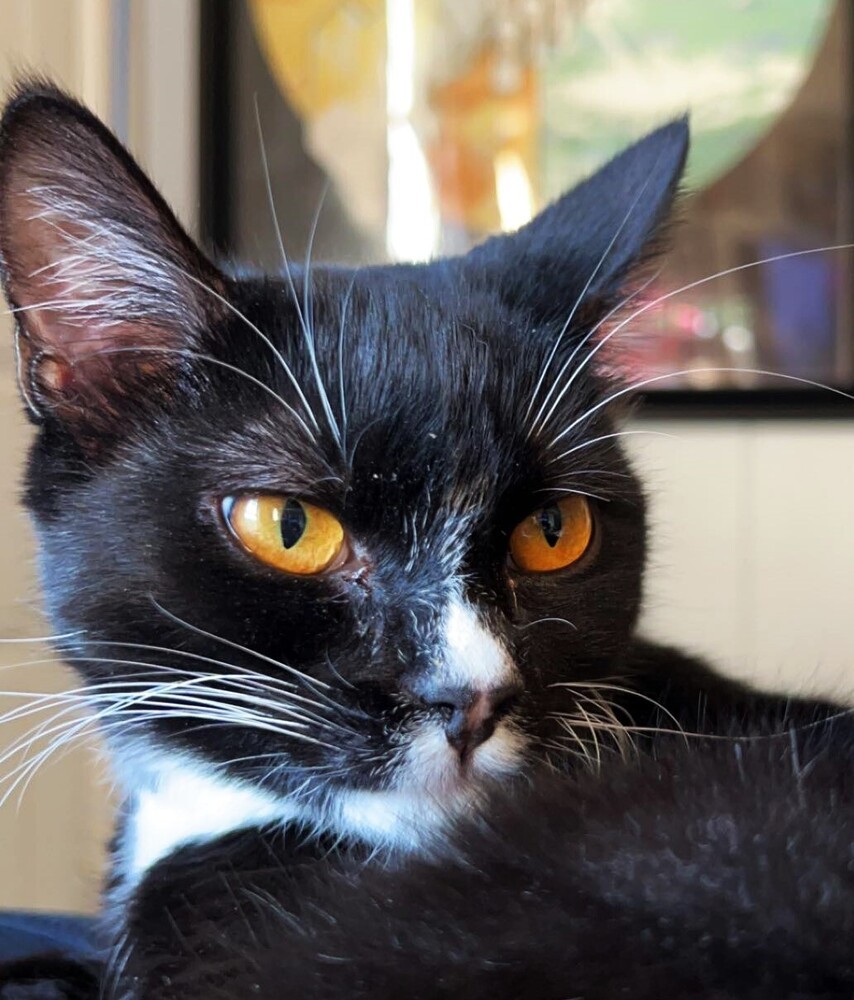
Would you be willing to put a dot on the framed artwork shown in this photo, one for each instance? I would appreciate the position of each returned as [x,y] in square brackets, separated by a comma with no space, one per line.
[402,129]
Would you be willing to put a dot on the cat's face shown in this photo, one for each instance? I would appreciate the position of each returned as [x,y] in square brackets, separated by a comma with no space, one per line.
[339,533]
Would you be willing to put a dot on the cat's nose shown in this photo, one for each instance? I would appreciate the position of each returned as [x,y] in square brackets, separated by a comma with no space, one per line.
[471,715]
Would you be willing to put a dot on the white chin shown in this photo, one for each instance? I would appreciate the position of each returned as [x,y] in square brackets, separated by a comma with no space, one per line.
[431,788]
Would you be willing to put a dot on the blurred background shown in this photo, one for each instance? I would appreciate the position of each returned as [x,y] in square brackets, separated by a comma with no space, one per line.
[399,129]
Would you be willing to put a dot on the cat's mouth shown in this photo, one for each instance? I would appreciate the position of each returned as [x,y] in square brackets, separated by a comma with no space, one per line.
[432,785]
[434,765]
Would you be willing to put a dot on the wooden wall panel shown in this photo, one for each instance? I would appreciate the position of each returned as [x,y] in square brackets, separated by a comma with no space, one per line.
[753,547]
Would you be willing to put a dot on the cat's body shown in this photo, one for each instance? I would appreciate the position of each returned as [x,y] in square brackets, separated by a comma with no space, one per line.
[708,869]
[713,870]
[343,552]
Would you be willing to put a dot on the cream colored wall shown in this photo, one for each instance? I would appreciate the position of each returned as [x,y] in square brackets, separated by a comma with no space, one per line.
[753,547]
[753,550]
[164,99]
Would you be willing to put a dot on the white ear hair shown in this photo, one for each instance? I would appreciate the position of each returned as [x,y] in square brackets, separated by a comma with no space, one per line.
[99,271]
[107,287]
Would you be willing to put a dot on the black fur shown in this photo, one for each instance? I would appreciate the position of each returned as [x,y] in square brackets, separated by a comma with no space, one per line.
[50,977]
[709,870]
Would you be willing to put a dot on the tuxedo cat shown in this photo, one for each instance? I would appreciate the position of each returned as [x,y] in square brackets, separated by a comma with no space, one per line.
[342,557]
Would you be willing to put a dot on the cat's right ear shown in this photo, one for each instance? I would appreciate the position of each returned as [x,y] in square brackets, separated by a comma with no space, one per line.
[108,291]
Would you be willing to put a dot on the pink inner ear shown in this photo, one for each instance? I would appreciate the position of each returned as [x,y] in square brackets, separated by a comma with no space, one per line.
[87,379]
[86,286]
[72,343]
[99,312]
[107,287]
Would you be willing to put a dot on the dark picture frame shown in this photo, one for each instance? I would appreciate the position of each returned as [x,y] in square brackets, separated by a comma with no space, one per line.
[223,101]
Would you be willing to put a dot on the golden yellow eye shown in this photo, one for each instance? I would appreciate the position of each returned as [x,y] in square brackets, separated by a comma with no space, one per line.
[290,535]
[553,537]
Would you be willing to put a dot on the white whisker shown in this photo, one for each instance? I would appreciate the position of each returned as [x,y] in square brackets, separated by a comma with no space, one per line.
[609,437]
[341,399]
[312,681]
[308,327]
[303,313]
[278,354]
[689,371]
[541,421]
[646,307]
[209,359]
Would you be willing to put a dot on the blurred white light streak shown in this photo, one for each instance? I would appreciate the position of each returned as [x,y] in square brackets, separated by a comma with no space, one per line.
[412,224]
[513,190]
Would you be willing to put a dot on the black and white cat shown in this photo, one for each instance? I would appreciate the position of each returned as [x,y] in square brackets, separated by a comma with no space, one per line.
[349,558]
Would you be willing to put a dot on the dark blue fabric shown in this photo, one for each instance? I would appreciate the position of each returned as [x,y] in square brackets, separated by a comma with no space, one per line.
[23,934]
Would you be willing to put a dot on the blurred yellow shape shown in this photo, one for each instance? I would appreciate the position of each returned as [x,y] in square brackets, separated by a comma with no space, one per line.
[321,52]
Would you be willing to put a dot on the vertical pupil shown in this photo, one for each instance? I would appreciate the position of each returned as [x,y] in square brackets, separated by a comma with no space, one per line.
[551,524]
[293,523]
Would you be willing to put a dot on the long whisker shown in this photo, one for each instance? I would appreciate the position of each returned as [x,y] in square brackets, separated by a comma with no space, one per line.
[209,359]
[67,732]
[43,638]
[172,696]
[262,678]
[276,705]
[678,291]
[690,371]
[271,202]
[341,399]
[115,693]
[609,437]
[313,682]
[588,723]
[276,682]
[284,688]
[308,312]
[583,750]
[304,314]
[539,621]
[236,645]
[66,303]
[539,420]
[255,329]
[607,712]
[617,689]
[591,472]
[91,692]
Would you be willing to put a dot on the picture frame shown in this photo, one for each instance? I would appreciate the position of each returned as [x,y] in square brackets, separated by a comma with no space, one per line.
[793,155]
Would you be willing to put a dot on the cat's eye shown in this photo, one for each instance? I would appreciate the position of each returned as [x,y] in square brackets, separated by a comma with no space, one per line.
[553,537]
[288,534]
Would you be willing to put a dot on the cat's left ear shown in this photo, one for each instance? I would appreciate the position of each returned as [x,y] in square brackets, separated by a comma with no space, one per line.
[108,291]
[584,245]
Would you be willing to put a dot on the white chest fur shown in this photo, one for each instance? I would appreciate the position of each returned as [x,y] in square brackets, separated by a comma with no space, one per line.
[181,803]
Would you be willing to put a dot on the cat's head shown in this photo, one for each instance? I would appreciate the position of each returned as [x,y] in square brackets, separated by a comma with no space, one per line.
[337,533]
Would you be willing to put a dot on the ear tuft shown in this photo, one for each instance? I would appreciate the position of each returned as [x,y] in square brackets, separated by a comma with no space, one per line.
[93,261]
